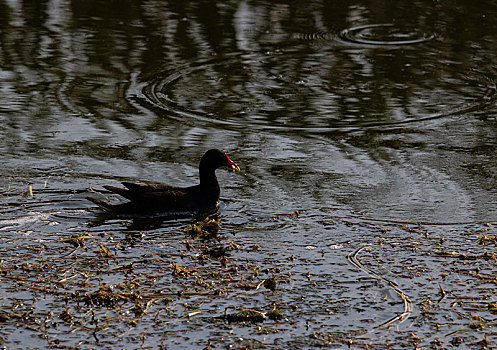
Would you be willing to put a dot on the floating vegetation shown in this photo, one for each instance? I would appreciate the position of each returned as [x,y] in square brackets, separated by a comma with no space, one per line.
[99,287]
[246,315]
[253,316]
[94,287]
[77,240]
[206,229]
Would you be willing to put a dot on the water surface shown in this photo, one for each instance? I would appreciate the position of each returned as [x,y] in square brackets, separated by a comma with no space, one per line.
[366,118]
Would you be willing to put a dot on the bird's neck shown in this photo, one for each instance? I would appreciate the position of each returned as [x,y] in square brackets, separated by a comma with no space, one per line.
[208,179]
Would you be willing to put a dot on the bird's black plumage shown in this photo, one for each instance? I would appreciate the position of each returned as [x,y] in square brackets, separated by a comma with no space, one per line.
[156,199]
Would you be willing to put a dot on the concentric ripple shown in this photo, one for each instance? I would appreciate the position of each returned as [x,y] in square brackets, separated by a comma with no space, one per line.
[386,34]
[294,92]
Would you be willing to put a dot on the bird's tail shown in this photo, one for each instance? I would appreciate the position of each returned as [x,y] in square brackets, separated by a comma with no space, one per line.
[102,204]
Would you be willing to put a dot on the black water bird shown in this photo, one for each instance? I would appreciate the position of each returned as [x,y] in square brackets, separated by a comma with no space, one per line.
[156,199]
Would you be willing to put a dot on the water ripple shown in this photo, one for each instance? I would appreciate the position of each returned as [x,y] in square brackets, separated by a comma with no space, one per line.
[386,34]
[263,92]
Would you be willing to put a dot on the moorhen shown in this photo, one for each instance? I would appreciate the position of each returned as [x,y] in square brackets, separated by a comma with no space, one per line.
[152,200]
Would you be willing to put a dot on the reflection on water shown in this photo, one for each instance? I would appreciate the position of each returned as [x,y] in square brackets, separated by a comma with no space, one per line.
[385,110]
[138,82]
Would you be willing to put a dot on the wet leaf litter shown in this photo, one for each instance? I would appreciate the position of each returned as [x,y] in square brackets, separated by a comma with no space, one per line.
[76,280]
[83,290]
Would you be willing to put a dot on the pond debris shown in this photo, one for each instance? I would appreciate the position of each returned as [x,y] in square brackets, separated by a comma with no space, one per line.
[487,239]
[295,214]
[188,245]
[216,252]
[138,309]
[246,315]
[464,256]
[354,260]
[103,251]
[255,247]
[78,239]
[66,316]
[206,229]
[181,272]
[108,289]
[270,283]
[492,308]
[105,296]
[5,316]
[253,316]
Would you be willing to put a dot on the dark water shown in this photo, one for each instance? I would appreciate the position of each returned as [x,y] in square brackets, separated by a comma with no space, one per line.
[367,117]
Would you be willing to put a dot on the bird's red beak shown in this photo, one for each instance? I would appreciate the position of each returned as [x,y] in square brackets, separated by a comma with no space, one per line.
[232,164]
